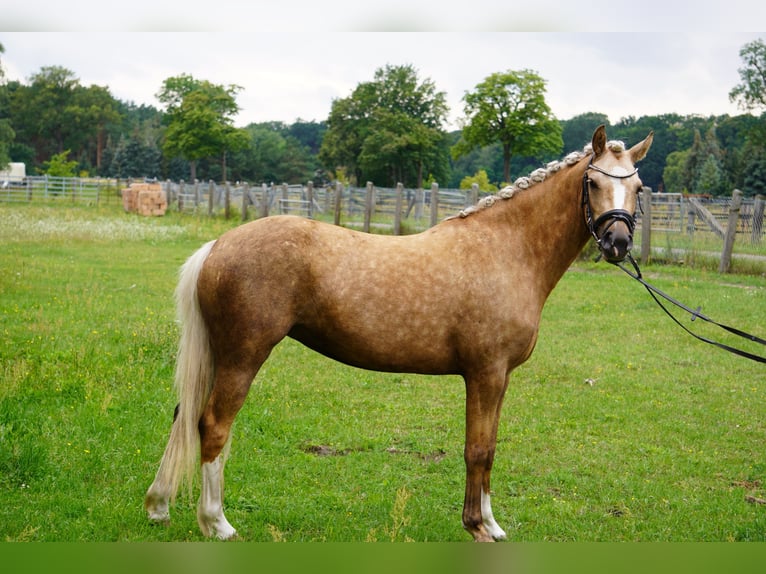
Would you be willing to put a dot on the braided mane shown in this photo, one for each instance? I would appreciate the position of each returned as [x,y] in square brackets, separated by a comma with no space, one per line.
[537,176]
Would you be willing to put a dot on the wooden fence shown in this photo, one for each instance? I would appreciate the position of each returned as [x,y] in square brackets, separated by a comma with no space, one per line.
[725,219]
[402,210]
[393,210]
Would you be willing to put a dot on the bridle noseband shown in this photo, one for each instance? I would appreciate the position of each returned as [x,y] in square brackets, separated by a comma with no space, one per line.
[613,215]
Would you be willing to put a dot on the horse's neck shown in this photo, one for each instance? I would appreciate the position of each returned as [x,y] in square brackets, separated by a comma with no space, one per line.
[549,216]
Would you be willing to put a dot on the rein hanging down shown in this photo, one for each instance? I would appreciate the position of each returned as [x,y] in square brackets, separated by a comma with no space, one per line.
[695,314]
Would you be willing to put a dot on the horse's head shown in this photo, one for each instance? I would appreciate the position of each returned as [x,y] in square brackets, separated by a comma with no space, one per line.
[610,194]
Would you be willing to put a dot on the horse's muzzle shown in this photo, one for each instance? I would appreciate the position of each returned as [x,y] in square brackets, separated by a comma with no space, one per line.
[616,242]
[614,232]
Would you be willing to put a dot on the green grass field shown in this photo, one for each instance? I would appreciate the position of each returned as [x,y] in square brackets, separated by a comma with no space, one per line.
[620,426]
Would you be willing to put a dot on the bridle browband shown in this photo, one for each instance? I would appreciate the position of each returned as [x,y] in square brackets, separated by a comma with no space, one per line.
[613,215]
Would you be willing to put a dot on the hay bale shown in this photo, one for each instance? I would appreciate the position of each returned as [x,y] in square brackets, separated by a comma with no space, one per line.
[151,202]
[146,199]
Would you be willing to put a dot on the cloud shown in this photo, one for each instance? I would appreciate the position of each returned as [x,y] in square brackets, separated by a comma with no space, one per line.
[290,75]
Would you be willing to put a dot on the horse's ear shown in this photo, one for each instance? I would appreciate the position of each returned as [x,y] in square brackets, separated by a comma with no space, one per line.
[638,151]
[599,140]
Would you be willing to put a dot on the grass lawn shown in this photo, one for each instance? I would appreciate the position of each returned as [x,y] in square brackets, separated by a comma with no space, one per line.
[619,428]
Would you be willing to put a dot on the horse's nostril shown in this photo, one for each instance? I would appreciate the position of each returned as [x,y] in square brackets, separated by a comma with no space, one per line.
[615,245]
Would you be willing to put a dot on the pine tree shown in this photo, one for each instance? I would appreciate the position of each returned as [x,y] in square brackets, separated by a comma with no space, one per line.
[710,177]
[755,174]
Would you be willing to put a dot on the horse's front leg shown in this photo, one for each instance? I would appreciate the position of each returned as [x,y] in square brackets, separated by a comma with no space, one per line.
[484,398]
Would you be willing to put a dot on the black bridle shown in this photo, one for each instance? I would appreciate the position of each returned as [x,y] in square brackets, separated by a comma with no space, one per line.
[611,216]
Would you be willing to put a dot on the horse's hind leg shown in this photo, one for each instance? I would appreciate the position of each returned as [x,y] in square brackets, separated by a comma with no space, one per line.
[226,399]
[484,397]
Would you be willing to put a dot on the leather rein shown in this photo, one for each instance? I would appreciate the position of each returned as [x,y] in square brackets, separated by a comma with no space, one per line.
[695,314]
[615,215]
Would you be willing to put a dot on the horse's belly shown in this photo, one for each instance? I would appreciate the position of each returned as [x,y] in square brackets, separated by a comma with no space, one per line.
[382,351]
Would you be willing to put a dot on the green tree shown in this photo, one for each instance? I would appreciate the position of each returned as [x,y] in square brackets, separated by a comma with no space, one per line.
[710,179]
[133,147]
[6,138]
[347,127]
[309,134]
[274,156]
[754,180]
[703,171]
[694,161]
[488,158]
[54,112]
[94,109]
[132,157]
[750,93]
[40,111]
[510,108]
[200,120]
[7,134]
[673,174]
[578,131]
[59,166]
[389,129]
[399,147]
[481,179]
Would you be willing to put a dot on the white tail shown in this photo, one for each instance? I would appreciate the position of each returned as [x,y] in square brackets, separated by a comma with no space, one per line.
[193,382]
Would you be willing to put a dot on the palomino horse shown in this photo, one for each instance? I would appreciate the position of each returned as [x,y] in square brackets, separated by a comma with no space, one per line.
[356,298]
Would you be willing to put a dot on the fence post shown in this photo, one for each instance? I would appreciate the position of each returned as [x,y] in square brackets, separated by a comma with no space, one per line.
[757,219]
[245,199]
[646,225]
[181,186]
[338,200]
[420,198]
[210,196]
[285,196]
[310,198]
[474,197]
[731,231]
[226,200]
[690,215]
[369,205]
[434,203]
[398,209]
[168,191]
[264,200]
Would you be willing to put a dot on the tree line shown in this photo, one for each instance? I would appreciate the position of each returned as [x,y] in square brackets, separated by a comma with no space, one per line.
[388,130]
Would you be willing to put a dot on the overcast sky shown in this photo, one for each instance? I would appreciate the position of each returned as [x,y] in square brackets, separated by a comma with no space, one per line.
[294,68]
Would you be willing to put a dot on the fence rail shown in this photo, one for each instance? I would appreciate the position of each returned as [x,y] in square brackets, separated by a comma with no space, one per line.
[691,215]
[47,188]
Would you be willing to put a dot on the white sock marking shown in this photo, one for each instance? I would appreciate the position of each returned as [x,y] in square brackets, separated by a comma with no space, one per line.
[493,528]
[210,516]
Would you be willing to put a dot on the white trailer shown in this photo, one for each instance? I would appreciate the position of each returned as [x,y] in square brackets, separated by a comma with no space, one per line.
[14,172]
